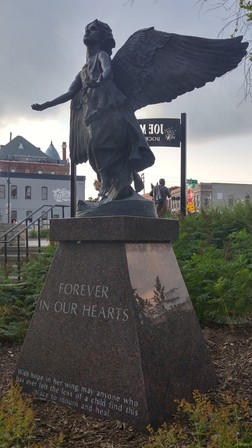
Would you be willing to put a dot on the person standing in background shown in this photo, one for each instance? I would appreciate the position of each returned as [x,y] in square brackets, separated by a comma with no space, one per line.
[160,195]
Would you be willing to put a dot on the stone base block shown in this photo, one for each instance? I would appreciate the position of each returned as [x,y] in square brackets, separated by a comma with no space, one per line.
[114,334]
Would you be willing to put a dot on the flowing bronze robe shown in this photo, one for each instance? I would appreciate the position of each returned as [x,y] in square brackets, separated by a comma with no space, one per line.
[105,131]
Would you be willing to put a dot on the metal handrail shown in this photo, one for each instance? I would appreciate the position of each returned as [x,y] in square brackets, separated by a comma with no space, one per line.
[28,217]
[28,224]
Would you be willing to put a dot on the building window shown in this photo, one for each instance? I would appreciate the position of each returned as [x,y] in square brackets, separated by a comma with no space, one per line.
[13,216]
[2,191]
[28,192]
[206,201]
[28,213]
[44,193]
[13,191]
[230,200]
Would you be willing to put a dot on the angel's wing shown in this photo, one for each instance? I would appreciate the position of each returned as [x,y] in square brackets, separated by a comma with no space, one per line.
[154,67]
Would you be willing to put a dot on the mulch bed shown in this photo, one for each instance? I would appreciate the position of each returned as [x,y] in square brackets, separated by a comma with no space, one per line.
[230,350]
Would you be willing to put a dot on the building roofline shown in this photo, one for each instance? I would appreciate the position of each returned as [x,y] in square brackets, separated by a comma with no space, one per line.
[39,176]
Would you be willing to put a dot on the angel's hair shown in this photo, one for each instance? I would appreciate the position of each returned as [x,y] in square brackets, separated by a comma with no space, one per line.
[107,39]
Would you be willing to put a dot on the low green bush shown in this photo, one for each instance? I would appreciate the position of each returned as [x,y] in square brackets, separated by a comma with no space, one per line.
[18,299]
[201,424]
[214,252]
[17,422]
[44,233]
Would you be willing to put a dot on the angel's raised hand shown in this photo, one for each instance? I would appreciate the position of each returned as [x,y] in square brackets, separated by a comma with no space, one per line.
[38,107]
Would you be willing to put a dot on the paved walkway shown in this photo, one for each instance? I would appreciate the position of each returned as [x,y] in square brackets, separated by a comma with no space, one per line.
[34,242]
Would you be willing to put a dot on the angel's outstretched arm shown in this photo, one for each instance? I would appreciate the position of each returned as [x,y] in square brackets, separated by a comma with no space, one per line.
[69,95]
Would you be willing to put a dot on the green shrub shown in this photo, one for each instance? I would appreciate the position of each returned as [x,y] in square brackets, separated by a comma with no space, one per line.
[214,252]
[18,299]
[224,426]
[44,233]
[17,421]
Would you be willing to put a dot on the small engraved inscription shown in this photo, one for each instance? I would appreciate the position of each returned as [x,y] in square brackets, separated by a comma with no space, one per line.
[81,397]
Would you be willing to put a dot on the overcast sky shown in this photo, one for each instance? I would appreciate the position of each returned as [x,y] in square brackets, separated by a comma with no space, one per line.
[41,52]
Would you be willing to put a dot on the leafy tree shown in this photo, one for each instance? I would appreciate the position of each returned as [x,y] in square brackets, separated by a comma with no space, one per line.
[239,20]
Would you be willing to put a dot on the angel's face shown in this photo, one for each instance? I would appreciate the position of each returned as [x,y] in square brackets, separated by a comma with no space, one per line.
[92,34]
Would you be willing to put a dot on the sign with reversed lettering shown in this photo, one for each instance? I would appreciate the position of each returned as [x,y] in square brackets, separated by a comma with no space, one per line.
[161,131]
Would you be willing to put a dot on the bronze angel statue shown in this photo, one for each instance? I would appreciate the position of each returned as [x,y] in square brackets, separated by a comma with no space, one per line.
[151,67]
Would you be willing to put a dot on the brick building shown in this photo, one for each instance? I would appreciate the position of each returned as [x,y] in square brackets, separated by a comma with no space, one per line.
[30,178]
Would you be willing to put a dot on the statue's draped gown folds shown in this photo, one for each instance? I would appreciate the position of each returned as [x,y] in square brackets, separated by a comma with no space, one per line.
[105,131]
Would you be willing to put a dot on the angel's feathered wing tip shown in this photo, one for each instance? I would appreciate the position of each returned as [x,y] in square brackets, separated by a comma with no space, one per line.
[154,66]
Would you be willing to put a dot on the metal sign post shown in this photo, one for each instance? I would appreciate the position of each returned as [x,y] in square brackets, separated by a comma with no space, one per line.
[169,132]
[73,189]
[183,165]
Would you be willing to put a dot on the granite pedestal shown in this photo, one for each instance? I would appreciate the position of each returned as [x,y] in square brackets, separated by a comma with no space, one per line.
[114,334]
